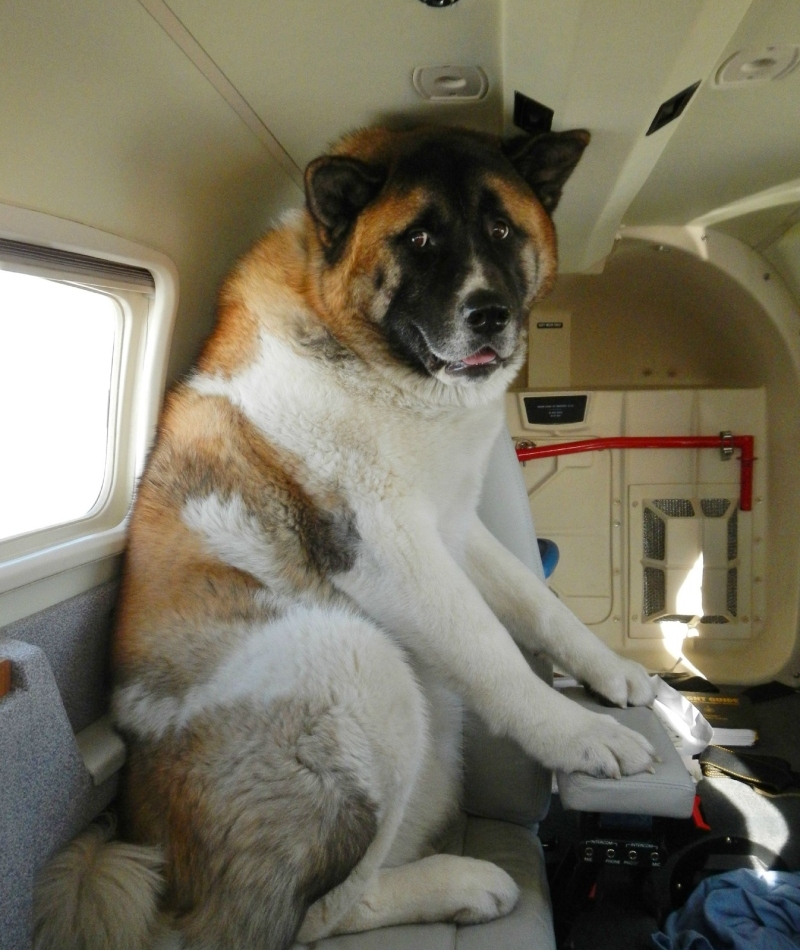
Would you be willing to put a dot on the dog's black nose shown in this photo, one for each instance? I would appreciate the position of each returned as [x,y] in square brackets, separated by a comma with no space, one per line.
[486,313]
[488,320]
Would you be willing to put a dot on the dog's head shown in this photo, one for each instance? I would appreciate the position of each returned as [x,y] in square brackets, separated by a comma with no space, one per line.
[433,244]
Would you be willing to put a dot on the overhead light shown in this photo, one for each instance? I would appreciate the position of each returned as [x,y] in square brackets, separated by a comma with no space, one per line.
[751,66]
[439,3]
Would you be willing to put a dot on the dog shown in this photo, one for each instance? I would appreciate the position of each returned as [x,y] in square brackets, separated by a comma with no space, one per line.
[309,597]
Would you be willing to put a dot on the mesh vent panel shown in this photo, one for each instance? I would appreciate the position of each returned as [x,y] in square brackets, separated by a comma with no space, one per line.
[733,536]
[714,507]
[655,591]
[675,507]
[718,539]
[733,586]
[654,535]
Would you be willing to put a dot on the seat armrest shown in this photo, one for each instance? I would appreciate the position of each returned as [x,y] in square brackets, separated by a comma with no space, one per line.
[669,792]
[102,750]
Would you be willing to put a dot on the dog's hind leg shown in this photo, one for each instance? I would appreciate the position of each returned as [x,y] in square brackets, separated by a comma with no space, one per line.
[324,916]
[286,785]
[397,731]
[441,887]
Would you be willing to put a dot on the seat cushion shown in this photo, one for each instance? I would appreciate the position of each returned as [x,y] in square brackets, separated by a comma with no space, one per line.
[515,849]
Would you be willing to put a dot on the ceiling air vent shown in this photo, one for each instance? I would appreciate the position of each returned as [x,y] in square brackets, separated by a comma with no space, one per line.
[751,66]
[447,83]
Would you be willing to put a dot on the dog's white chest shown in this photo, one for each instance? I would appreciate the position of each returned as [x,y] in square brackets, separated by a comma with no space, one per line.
[361,446]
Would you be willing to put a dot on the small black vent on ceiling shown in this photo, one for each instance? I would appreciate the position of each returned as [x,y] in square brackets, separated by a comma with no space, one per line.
[672,108]
[439,3]
[531,116]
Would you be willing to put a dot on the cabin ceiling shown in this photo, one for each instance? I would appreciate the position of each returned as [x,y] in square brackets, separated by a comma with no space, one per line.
[313,69]
[734,142]
[149,117]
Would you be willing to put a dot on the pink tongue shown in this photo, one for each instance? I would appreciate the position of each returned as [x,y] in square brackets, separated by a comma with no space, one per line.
[482,356]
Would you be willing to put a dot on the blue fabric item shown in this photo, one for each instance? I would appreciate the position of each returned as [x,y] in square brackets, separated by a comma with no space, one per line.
[549,553]
[740,910]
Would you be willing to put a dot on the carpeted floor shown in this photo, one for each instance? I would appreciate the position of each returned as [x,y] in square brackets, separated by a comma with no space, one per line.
[622,914]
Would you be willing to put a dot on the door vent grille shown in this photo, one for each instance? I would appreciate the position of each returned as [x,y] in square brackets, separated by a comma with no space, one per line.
[654,536]
[684,537]
[714,507]
[733,536]
[675,507]
[655,591]
[733,591]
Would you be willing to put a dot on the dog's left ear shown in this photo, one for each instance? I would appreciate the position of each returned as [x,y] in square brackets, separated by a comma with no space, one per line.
[546,161]
[337,191]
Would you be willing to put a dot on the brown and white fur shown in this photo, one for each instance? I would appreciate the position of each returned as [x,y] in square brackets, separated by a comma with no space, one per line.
[309,596]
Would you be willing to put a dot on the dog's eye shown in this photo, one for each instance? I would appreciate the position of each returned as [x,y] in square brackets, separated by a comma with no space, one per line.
[419,238]
[499,230]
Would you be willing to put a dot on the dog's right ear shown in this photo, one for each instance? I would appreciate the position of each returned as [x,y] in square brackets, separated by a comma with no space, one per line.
[337,191]
[546,161]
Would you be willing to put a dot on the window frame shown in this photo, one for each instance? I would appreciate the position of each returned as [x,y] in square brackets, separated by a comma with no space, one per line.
[140,368]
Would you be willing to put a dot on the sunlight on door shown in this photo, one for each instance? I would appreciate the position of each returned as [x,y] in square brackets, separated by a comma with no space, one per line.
[688,603]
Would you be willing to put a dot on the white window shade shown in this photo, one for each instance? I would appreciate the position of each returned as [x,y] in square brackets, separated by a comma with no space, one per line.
[21,257]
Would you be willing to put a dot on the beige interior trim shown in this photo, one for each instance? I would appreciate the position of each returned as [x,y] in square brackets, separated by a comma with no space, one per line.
[175,29]
[786,194]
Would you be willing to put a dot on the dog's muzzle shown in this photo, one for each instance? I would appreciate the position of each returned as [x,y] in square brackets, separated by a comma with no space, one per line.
[488,337]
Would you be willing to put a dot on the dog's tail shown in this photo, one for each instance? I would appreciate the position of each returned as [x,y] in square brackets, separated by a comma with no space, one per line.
[98,894]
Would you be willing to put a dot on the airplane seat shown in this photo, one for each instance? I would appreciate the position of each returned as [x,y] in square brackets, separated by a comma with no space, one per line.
[506,793]
[58,754]
[60,759]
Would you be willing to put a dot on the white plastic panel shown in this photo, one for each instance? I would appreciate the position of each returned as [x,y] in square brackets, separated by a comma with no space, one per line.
[569,501]
[549,348]
[572,497]
[592,506]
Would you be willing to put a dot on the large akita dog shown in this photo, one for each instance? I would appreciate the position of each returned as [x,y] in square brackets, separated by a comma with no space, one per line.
[309,595]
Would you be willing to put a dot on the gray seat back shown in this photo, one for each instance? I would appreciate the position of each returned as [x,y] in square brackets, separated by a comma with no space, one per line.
[47,794]
[500,780]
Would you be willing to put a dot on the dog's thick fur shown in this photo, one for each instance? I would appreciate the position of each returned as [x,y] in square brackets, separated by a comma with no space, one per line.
[309,596]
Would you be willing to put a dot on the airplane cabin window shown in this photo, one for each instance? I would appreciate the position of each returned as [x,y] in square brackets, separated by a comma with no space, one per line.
[57,369]
[85,323]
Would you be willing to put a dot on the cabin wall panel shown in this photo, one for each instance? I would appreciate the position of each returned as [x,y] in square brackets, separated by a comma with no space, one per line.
[105,121]
[659,319]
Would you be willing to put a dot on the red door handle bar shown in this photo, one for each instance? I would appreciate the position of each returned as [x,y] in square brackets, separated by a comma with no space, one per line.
[723,441]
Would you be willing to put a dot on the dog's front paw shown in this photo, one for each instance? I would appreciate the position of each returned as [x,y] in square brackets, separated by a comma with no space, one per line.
[607,749]
[622,682]
[484,892]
